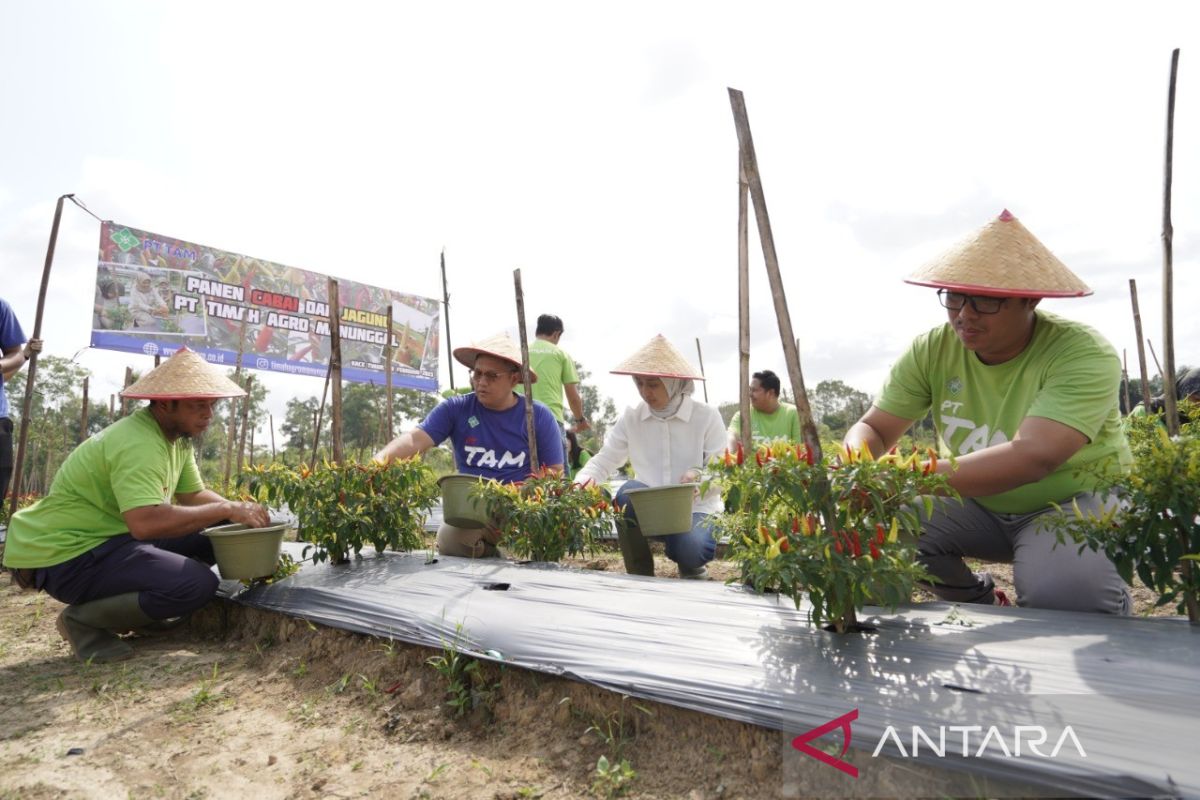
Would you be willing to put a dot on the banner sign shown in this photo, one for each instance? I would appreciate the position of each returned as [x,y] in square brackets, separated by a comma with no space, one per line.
[155,294]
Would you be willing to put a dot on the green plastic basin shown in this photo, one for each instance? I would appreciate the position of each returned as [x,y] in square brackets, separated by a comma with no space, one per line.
[247,553]
[663,510]
[458,507]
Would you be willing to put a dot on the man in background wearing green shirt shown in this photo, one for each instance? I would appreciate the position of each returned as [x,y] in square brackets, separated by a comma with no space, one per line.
[556,374]
[1025,403]
[769,419]
[117,538]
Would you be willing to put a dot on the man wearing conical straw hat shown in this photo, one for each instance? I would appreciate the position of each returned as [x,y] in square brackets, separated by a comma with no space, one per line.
[1025,402]
[487,431]
[667,439]
[117,538]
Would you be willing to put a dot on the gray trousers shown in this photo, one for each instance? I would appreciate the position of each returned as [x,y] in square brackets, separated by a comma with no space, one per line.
[1045,573]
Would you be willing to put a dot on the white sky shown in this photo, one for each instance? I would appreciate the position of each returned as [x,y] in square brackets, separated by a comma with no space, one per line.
[593,147]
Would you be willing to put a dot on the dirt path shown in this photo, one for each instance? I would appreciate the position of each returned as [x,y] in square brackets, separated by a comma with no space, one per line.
[242,703]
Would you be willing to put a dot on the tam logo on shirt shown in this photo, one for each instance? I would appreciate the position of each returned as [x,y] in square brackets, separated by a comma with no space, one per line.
[483,457]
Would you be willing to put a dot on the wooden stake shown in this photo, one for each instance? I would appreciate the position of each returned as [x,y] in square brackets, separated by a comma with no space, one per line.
[83,412]
[529,427]
[231,428]
[251,452]
[790,353]
[446,311]
[128,383]
[335,371]
[746,423]
[112,408]
[1161,377]
[1141,347]
[249,387]
[317,420]
[271,421]
[1168,234]
[387,372]
[31,368]
[700,355]
[1125,379]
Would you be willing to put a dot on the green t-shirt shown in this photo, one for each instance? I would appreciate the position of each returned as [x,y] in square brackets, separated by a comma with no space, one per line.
[783,424]
[1069,373]
[129,464]
[554,368]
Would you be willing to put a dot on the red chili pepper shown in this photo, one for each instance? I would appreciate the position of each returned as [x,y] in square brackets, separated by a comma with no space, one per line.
[874,551]
[795,524]
[809,457]
[784,545]
[728,458]
[857,545]
[741,454]
[838,546]
[758,459]
[931,466]
[880,534]
[263,339]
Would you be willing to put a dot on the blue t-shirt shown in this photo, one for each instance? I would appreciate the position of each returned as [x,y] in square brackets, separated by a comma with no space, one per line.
[11,336]
[494,444]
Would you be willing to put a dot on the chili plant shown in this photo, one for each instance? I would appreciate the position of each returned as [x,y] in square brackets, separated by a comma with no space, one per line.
[843,532]
[342,507]
[547,517]
[1154,531]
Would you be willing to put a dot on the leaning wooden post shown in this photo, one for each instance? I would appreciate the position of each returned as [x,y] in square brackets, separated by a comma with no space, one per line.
[790,353]
[1168,234]
[31,369]
[529,427]
[249,387]
[1161,377]
[700,355]
[335,372]
[231,428]
[250,453]
[1141,345]
[387,372]
[747,423]
[318,418]
[446,310]
[83,412]
[271,422]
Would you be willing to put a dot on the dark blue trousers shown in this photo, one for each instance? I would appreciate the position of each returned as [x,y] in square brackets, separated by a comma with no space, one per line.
[171,576]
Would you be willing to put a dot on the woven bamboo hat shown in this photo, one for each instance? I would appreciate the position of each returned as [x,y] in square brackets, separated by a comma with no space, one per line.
[498,346]
[183,376]
[1002,259]
[660,359]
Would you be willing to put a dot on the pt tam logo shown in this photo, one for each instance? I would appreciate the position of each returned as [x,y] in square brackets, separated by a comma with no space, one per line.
[801,743]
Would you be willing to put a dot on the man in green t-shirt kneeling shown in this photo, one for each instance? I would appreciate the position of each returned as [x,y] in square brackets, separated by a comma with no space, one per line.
[1026,403]
[107,540]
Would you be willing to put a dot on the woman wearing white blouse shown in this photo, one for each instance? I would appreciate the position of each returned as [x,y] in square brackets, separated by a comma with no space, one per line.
[667,438]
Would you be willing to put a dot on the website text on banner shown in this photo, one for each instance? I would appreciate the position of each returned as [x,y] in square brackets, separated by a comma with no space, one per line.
[155,294]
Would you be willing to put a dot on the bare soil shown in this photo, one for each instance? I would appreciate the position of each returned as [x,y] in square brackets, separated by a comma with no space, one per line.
[243,703]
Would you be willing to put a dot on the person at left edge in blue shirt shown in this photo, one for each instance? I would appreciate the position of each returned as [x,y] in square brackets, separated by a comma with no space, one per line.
[487,432]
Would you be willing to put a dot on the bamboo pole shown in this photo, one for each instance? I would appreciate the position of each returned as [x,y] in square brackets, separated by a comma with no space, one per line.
[335,371]
[83,412]
[387,373]
[271,422]
[446,311]
[251,451]
[700,355]
[790,353]
[744,308]
[31,368]
[529,427]
[231,428]
[1168,234]
[1141,347]
[249,387]
[1161,377]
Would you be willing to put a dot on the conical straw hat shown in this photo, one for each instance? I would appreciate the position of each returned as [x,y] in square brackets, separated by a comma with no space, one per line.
[1002,259]
[498,346]
[183,376]
[660,359]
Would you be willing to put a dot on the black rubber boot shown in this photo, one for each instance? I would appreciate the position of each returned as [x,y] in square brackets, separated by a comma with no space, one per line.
[88,627]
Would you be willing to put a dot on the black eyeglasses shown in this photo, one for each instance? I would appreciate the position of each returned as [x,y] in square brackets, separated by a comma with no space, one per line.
[980,303]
